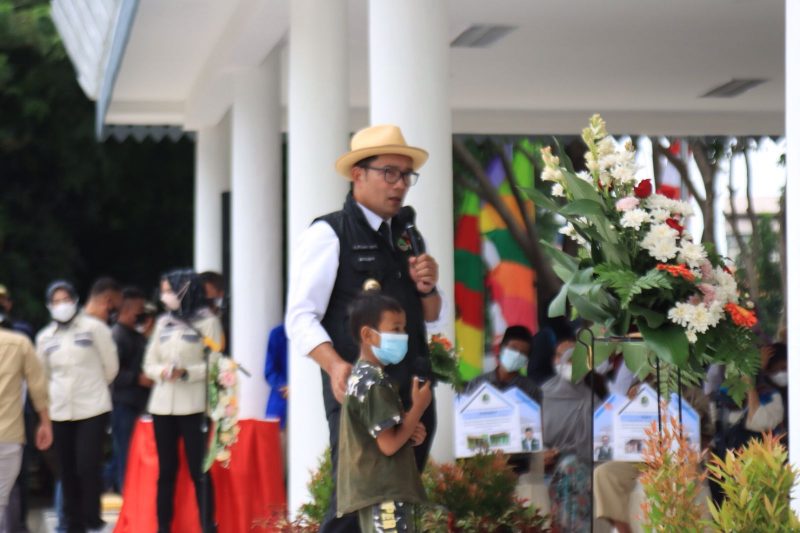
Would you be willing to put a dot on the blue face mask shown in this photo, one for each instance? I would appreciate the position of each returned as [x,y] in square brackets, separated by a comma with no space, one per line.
[393,347]
[512,360]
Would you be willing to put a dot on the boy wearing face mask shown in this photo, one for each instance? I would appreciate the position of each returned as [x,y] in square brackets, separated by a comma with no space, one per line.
[377,474]
[512,357]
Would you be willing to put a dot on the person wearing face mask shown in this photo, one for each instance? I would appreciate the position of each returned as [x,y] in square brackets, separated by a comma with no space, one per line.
[175,360]
[371,241]
[567,434]
[131,388]
[377,475]
[512,357]
[80,361]
[105,297]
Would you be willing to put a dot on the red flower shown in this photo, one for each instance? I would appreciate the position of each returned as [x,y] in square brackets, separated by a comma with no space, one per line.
[669,191]
[677,271]
[672,223]
[644,189]
[740,316]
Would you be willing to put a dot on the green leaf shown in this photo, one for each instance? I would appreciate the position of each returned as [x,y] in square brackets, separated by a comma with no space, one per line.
[540,199]
[636,358]
[653,279]
[654,318]
[563,157]
[582,190]
[558,306]
[668,342]
[580,208]
[565,260]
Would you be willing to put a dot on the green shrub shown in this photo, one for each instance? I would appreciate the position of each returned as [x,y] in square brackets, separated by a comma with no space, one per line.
[671,479]
[757,482]
[476,495]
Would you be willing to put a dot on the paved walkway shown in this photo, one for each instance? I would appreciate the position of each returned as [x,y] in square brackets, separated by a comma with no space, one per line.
[44,520]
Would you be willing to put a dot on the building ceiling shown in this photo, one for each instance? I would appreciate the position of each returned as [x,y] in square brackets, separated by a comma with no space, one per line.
[644,62]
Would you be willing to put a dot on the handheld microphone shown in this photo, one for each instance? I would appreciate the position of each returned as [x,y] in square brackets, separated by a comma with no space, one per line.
[417,246]
[408,215]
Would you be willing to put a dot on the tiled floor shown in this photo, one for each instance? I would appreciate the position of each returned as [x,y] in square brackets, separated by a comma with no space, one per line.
[44,520]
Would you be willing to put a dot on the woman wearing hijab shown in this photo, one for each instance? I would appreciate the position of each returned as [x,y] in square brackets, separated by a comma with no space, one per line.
[176,361]
[80,361]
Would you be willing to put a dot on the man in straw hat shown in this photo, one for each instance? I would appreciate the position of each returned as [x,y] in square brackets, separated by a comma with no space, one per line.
[371,243]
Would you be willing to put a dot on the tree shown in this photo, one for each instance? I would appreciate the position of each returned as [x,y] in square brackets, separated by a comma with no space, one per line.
[72,207]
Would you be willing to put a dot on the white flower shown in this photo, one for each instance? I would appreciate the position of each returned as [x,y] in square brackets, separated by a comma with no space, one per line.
[660,242]
[625,174]
[673,207]
[727,290]
[692,254]
[607,145]
[569,231]
[696,318]
[659,215]
[634,219]
[585,176]
[548,158]
[552,174]
[609,161]
[557,190]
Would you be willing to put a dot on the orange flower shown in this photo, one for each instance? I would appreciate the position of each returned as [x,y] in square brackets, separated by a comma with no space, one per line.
[741,317]
[443,341]
[678,271]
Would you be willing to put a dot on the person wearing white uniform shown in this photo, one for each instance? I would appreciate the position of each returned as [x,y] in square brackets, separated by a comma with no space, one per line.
[176,361]
[80,362]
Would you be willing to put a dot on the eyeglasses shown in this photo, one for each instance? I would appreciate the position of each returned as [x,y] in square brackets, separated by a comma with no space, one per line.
[393,174]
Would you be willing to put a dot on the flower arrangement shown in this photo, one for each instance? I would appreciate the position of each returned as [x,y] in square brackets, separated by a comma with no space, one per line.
[223,385]
[638,269]
[672,479]
[444,361]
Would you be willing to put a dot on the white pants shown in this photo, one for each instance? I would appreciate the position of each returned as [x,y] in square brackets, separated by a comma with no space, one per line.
[10,461]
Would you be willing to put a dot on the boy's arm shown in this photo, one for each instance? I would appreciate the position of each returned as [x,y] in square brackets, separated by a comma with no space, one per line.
[390,440]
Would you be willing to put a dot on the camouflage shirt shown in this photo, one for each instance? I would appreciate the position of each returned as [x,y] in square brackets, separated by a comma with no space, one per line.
[365,474]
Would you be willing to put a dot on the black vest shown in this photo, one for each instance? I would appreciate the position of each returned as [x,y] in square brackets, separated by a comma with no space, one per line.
[365,255]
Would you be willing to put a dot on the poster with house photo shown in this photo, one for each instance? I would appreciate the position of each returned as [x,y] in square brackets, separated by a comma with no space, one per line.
[489,420]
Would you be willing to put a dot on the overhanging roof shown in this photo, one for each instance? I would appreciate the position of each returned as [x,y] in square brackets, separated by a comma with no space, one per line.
[642,64]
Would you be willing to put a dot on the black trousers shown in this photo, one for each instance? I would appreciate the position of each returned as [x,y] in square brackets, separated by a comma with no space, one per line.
[168,430]
[79,449]
[349,522]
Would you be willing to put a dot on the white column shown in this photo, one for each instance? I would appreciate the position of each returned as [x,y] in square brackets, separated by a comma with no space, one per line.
[318,135]
[793,225]
[212,178]
[256,224]
[409,86]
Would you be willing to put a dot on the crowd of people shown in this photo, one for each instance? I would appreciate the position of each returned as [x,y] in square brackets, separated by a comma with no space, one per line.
[99,366]
[363,296]
[570,455]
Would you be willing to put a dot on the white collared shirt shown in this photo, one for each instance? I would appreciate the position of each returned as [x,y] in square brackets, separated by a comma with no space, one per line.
[174,344]
[80,362]
[314,267]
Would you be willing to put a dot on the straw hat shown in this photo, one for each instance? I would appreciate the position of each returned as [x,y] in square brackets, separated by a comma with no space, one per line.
[379,140]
